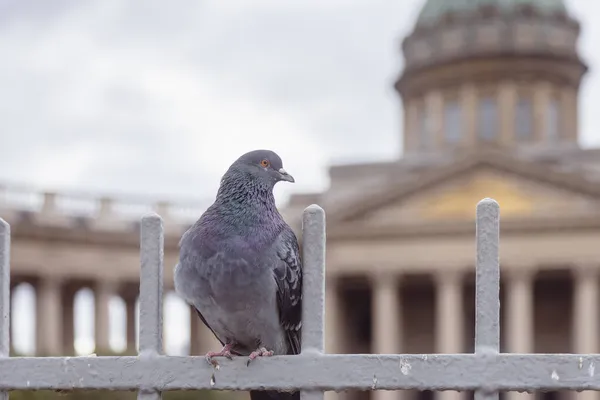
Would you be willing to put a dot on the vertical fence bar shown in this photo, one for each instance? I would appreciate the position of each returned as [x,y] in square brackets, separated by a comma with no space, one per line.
[4,294]
[487,292]
[151,293]
[313,289]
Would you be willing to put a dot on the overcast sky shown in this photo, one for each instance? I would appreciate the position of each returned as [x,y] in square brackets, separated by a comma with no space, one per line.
[158,98]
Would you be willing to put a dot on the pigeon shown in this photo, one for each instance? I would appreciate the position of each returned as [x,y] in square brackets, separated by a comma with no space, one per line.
[240,267]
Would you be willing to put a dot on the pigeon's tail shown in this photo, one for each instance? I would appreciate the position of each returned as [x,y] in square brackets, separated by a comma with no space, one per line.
[273,395]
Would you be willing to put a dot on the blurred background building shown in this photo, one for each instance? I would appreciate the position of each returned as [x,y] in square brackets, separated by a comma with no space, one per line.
[489,93]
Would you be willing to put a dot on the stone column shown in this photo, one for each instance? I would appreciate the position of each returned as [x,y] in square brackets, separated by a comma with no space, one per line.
[449,320]
[103,292]
[195,333]
[13,285]
[49,317]
[541,100]
[208,340]
[434,103]
[507,101]
[386,312]
[520,317]
[334,327]
[569,114]
[333,318]
[131,328]
[68,329]
[411,131]
[202,339]
[585,321]
[468,98]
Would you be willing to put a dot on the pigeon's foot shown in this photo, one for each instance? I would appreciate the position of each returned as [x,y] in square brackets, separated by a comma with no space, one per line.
[225,352]
[261,352]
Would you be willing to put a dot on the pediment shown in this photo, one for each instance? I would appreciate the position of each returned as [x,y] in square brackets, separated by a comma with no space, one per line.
[454,198]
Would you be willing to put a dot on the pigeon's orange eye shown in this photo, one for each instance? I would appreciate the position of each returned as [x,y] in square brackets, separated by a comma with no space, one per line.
[264,163]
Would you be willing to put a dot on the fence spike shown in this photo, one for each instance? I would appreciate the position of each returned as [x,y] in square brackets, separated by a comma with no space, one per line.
[313,290]
[151,293]
[487,286]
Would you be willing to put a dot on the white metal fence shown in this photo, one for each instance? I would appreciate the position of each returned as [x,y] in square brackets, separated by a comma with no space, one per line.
[486,371]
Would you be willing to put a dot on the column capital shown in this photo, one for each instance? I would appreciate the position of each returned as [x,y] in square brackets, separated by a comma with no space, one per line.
[332,280]
[449,276]
[51,280]
[586,270]
[51,284]
[109,285]
[384,278]
[521,272]
[128,291]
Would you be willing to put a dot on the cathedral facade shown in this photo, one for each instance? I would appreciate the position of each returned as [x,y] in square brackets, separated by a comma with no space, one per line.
[489,93]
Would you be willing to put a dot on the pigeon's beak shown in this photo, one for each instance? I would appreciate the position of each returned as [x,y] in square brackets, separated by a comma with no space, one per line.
[285,176]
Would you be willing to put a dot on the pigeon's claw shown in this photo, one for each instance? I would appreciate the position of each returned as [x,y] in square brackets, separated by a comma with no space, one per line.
[261,352]
[225,352]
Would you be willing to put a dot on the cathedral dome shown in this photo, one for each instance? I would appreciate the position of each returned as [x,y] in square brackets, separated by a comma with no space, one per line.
[435,10]
[490,72]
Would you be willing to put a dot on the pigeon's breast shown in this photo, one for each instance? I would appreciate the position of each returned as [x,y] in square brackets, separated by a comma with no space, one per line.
[238,284]
[239,303]
[230,281]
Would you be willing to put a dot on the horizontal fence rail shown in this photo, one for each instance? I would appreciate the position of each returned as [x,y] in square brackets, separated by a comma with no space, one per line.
[311,372]
[486,371]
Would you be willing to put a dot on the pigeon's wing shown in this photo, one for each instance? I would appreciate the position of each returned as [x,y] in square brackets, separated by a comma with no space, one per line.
[288,275]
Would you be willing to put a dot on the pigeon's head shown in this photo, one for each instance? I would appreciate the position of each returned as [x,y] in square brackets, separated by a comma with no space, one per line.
[263,165]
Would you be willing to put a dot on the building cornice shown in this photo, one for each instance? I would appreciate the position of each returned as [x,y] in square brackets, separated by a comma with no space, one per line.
[117,238]
[441,228]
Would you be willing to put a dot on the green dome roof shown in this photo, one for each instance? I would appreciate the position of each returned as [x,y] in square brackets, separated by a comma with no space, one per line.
[434,9]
